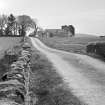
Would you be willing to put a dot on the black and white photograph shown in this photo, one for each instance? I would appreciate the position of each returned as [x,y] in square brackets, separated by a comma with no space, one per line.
[52,52]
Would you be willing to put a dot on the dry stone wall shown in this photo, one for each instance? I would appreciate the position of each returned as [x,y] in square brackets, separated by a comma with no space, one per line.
[14,84]
[96,48]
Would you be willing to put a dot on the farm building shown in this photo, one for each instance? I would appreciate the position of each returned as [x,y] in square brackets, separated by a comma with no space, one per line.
[54,32]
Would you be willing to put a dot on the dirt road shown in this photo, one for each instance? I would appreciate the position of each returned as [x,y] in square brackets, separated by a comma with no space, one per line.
[84,75]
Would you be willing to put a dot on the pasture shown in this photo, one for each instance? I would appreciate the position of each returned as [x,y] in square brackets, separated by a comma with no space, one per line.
[71,44]
[8,43]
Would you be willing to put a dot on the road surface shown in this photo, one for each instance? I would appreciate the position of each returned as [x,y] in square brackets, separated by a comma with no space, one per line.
[84,75]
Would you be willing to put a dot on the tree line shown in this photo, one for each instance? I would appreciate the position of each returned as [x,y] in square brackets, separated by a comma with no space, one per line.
[16,25]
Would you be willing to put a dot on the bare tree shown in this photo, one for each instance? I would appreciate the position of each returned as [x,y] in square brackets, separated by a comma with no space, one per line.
[3,23]
[11,25]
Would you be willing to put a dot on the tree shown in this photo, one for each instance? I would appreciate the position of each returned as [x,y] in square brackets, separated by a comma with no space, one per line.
[64,27]
[72,29]
[69,29]
[24,23]
[7,31]
[19,25]
[3,23]
[10,25]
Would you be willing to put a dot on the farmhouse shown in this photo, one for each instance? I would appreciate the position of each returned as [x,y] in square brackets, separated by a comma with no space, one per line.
[54,32]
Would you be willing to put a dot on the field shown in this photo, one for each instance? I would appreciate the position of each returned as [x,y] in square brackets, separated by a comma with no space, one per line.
[71,44]
[8,43]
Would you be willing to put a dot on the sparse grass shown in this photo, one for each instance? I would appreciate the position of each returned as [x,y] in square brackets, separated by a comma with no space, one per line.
[48,85]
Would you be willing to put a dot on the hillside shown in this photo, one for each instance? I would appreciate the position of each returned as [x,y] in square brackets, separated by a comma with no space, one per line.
[71,44]
[84,35]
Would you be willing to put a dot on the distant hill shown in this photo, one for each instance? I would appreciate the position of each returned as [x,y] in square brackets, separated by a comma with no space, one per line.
[84,35]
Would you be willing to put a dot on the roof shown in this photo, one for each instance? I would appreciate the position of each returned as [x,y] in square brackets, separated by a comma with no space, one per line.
[53,30]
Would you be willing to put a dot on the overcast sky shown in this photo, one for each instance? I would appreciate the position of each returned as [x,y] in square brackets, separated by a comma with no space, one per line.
[88,16]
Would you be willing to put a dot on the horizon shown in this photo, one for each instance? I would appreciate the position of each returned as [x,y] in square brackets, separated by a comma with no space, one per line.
[87,16]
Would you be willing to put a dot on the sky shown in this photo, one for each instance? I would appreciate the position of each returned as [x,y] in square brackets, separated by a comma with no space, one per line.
[87,16]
